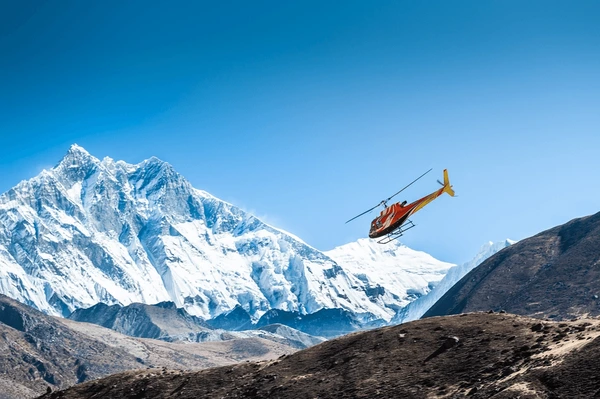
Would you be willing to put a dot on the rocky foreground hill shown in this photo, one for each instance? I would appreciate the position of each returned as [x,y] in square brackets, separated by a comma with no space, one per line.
[554,274]
[477,355]
[40,352]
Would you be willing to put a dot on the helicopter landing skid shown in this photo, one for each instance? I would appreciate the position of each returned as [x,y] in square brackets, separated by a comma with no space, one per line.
[394,235]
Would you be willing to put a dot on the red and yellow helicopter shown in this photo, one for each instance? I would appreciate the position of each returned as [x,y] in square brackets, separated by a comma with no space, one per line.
[393,220]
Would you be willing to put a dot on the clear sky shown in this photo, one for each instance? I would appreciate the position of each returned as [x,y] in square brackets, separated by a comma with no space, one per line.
[307,113]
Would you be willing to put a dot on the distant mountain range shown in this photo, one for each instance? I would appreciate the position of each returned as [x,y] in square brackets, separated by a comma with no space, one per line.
[166,322]
[90,231]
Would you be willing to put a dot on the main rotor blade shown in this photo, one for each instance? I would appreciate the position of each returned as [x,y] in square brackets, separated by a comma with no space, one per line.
[385,201]
[407,186]
[365,212]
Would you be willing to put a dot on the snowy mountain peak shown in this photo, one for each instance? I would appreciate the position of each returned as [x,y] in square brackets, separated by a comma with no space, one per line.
[90,231]
[488,249]
[77,149]
[77,156]
[76,165]
[155,167]
[153,160]
[392,270]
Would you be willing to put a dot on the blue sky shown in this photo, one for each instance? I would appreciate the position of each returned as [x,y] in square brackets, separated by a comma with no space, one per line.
[307,113]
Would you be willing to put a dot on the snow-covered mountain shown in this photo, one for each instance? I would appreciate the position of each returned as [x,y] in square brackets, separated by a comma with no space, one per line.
[417,308]
[90,231]
[397,274]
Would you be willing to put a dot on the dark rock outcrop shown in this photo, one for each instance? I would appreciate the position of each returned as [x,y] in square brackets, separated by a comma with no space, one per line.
[161,321]
[235,320]
[324,323]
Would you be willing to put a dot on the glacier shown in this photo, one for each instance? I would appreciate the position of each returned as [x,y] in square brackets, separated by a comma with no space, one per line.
[394,274]
[90,231]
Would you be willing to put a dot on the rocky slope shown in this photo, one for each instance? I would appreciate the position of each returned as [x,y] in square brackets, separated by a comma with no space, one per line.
[475,355]
[554,274]
[90,231]
[39,351]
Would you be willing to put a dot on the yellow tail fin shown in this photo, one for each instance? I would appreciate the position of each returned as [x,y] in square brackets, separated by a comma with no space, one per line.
[447,186]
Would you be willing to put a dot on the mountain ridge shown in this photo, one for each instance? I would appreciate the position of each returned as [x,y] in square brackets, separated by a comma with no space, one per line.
[90,231]
[164,321]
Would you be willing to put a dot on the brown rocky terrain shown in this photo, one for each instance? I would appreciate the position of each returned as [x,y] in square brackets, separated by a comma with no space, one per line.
[475,355]
[554,274]
[38,352]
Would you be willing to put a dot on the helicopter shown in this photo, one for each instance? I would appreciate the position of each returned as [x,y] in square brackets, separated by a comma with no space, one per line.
[393,220]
